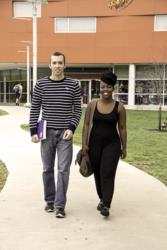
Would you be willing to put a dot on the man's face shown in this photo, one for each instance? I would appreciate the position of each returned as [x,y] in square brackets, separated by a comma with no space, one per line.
[57,65]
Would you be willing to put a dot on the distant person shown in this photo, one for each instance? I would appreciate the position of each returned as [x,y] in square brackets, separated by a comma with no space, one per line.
[18,89]
[103,142]
[60,99]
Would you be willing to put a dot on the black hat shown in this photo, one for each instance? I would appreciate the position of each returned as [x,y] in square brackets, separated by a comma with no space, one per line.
[109,78]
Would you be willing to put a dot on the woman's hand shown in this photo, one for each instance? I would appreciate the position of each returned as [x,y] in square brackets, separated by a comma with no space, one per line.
[84,150]
[123,154]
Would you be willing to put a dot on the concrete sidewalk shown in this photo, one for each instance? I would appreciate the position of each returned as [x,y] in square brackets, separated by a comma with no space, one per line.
[138,218]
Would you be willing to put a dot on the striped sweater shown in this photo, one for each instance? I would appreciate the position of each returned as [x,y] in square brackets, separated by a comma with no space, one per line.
[60,102]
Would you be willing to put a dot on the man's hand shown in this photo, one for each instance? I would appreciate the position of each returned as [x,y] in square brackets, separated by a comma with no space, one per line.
[68,134]
[35,138]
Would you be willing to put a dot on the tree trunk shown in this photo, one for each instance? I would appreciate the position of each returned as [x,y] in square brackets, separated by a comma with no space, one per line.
[159,118]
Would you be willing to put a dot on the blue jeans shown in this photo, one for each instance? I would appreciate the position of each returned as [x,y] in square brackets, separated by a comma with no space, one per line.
[54,143]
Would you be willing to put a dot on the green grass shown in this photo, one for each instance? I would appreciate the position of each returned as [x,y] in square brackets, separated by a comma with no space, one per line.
[3,169]
[3,174]
[147,147]
[25,127]
[3,112]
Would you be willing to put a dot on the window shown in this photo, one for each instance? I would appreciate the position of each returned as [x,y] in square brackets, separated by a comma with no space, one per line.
[160,23]
[75,24]
[25,9]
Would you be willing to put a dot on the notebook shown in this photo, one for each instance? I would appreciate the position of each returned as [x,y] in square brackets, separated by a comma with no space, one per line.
[41,129]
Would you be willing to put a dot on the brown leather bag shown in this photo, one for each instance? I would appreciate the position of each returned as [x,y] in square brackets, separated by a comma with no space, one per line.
[84,163]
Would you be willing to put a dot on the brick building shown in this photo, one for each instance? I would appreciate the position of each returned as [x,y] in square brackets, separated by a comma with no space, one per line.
[132,42]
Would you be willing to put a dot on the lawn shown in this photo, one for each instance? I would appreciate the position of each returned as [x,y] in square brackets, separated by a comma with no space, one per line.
[147,147]
[3,169]
[3,174]
[3,112]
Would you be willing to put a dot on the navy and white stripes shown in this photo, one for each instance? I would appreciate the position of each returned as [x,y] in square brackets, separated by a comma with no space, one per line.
[60,102]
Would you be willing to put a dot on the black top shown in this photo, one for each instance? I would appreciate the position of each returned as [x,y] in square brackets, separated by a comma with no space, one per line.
[105,125]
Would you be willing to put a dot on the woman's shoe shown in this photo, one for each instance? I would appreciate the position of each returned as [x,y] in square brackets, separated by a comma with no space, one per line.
[100,206]
[105,211]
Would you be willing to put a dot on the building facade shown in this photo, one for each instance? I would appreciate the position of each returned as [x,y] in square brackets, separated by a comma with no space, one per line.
[132,42]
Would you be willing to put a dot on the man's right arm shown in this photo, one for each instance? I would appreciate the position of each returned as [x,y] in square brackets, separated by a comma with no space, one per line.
[35,111]
[35,138]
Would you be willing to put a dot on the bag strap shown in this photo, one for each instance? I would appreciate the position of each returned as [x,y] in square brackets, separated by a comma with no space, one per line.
[92,109]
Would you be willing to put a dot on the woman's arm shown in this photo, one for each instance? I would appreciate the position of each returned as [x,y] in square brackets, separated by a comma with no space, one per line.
[85,130]
[122,129]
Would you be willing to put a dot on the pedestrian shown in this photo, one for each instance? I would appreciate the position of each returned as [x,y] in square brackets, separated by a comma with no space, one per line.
[59,97]
[18,89]
[104,138]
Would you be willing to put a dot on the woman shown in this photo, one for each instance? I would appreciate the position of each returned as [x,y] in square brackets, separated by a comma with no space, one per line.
[103,142]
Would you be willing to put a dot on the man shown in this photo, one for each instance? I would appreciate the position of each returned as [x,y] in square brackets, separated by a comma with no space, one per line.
[60,99]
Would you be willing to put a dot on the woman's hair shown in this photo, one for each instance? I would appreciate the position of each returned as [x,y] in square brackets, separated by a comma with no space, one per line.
[108,77]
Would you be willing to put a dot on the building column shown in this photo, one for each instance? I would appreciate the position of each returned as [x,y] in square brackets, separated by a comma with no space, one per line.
[131,87]
[4,89]
[90,91]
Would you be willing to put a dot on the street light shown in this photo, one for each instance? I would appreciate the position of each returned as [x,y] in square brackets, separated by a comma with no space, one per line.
[163,87]
[27,51]
[34,32]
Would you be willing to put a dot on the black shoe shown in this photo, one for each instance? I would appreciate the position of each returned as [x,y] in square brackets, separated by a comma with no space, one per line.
[49,208]
[105,211]
[100,206]
[60,213]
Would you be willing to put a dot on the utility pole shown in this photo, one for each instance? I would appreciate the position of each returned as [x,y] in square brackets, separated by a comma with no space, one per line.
[34,41]
[34,35]
[27,51]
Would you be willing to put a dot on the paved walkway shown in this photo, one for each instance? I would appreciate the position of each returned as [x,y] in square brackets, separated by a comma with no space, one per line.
[138,218]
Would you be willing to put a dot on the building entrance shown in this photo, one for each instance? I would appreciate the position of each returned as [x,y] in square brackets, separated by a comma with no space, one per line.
[85,91]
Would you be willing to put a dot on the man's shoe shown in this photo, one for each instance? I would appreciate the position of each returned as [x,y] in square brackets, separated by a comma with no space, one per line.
[100,206]
[60,213]
[49,208]
[105,211]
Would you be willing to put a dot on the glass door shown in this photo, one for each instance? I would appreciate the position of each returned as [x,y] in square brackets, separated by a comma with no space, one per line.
[85,92]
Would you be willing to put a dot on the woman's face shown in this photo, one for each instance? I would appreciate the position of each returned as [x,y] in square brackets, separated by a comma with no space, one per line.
[106,90]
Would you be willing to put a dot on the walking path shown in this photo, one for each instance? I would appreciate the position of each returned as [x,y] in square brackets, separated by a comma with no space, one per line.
[138,218]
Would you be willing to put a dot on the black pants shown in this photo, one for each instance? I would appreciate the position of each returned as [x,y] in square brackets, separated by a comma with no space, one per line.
[104,159]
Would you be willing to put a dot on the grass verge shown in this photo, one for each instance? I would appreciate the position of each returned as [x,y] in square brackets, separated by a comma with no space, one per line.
[3,174]
[25,127]
[3,112]
[3,169]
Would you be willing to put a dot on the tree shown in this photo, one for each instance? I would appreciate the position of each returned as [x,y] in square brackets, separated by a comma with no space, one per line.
[157,73]
[159,82]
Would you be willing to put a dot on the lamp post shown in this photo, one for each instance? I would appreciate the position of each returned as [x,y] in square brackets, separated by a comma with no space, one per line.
[163,87]
[27,51]
[34,41]
[28,74]
[34,36]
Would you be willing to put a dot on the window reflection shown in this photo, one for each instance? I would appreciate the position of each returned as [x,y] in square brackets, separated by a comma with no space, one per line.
[95,90]
[121,91]
[148,93]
